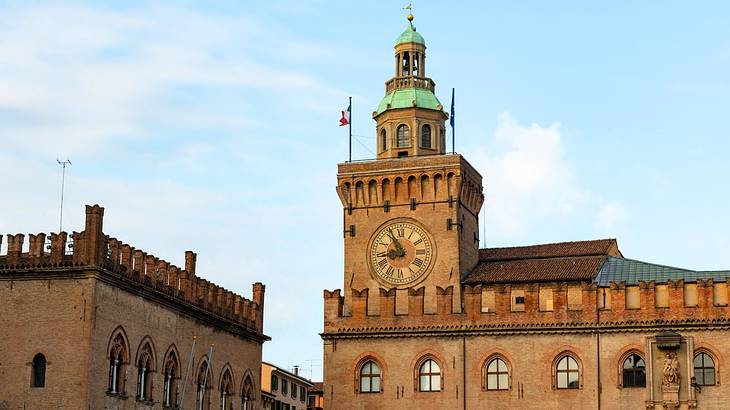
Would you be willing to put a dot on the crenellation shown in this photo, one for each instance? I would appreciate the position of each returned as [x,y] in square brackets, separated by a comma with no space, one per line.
[35,246]
[15,247]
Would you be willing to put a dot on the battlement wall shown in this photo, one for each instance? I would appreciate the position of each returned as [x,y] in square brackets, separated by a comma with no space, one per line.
[92,248]
[539,304]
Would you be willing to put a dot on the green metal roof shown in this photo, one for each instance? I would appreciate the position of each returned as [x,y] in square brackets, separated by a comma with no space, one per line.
[405,97]
[410,36]
[632,271]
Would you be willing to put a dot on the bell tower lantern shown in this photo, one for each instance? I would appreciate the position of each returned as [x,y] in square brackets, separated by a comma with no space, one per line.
[410,119]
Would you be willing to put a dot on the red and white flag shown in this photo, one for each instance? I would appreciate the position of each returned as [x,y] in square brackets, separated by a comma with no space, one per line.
[345,117]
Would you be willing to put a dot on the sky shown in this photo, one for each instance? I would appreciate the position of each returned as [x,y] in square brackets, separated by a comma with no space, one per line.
[213,127]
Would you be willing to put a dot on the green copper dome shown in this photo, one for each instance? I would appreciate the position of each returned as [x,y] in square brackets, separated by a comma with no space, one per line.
[408,98]
[410,36]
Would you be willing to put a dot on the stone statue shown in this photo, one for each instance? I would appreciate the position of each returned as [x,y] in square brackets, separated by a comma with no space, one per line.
[671,370]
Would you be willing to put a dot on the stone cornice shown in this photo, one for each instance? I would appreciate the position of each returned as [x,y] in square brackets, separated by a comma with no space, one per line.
[524,329]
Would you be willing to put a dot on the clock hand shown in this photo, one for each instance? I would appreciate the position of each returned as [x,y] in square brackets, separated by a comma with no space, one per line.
[398,247]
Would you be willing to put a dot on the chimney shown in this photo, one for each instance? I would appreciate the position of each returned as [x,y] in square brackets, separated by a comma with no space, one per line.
[296,370]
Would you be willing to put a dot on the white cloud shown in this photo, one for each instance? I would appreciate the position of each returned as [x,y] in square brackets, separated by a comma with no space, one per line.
[529,180]
[610,217]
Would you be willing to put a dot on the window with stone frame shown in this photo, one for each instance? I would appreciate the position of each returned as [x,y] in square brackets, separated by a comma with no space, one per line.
[302,394]
[369,376]
[247,394]
[203,384]
[719,293]
[226,389]
[118,354]
[704,367]
[567,373]
[383,140]
[426,136]
[145,367]
[518,300]
[633,371]
[403,136]
[274,382]
[497,374]
[171,374]
[429,376]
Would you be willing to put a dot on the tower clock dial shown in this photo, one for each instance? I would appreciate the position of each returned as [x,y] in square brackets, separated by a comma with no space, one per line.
[401,252]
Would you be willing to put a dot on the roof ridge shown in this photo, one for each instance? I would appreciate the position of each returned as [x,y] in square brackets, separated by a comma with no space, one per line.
[551,243]
[658,264]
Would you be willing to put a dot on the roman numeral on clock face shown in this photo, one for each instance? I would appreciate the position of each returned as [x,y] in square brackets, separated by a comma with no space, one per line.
[418,242]
[401,232]
[382,263]
[418,262]
[419,252]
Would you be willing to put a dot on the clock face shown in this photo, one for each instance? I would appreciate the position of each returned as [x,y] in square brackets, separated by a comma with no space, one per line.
[401,252]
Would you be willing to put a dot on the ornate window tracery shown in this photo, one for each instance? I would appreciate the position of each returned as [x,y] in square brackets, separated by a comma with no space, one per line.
[171,375]
[117,359]
[145,368]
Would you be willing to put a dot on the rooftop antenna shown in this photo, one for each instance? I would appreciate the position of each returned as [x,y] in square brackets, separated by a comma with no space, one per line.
[63,184]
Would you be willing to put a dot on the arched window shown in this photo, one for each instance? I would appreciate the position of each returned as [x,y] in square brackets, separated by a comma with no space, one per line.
[247,395]
[38,373]
[567,373]
[383,140]
[144,373]
[429,376]
[171,373]
[704,369]
[497,375]
[426,136]
[442,139]
[404,136]
[226,390]
[203,383]
[634,371]
[370,377]
[117,360]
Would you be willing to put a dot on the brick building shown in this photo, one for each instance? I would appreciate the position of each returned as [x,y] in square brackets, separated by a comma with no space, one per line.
[428,320]
[89,322]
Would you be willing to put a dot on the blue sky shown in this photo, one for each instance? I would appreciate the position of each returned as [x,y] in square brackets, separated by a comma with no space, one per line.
[212,126]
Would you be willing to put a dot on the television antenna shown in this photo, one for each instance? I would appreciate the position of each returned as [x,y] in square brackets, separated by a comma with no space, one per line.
[63,184]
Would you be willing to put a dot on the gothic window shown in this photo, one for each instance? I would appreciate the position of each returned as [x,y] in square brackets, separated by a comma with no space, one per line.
[247,395]
[144,373]
[404,136]
[38,373]
[226,390]
[634,371]
[383,140]
[497,375]
[370,377]
[284,386]
[426,136]
[294,390]
[567,373]
[302,394]
[117,360]
[171,375]
[429,376]
[704,369]
[203,383]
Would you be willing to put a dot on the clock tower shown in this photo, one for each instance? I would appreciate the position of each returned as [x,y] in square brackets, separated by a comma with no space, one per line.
[410,215]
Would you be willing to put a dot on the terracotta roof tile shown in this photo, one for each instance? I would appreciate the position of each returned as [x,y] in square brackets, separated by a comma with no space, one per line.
[567,261]
[550,250]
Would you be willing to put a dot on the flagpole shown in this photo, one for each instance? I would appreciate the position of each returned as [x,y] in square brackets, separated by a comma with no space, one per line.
[451,120]
[349,123]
